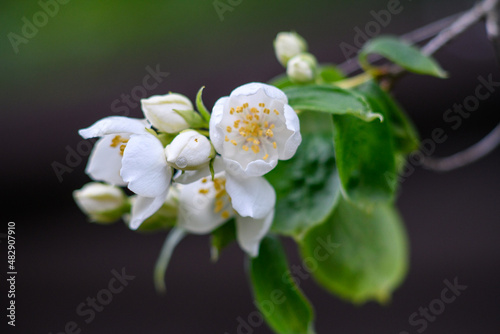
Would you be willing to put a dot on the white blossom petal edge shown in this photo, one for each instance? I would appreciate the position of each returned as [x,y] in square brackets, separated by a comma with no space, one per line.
[253,128]
[129,155]
[105,161]
[205,205]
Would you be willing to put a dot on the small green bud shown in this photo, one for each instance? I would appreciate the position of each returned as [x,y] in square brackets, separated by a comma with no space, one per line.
[302,68]
[103,203]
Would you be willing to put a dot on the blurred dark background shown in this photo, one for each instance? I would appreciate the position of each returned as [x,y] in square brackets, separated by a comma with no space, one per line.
[68,74]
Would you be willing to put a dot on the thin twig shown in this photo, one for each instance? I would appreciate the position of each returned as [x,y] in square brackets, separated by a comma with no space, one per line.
[467,156]
[444,31]
[486,9]
[464,22]
[492,29]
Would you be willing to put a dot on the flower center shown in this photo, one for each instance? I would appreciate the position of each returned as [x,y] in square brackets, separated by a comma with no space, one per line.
[252,128]
[119,141]
[222,199]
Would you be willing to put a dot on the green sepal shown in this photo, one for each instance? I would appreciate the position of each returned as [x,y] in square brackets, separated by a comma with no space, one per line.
[201,106]
[164,138]
[110,216]
[192,118]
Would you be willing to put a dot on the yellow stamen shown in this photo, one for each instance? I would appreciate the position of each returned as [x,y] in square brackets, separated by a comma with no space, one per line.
[276,112]
[255,149]
[245,148]
[231,111]
[204,180]
[219,204]
[269,133]
[234,142]
[225,214]
[274,144]
[122,148]
[229,129]
[262,105]
[226,139]
[256,142]
[203,191]
[265,157]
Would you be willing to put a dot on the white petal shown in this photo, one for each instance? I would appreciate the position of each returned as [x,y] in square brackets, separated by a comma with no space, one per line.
[190,176]
[145,207]
[144,166]
[105,162]
[292,123]
[250,231]
[196,210]
[254,168]
[216,134]
[253,87]
[114,125]
[251,197]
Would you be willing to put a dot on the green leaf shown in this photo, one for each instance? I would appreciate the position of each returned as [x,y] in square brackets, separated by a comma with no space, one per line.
[222,237]
[404,132]
[284,307]
[329,99]
[307,186]
[281,81]
[365,155]
[402,54]
[360,256]
[201,106]
[329,73]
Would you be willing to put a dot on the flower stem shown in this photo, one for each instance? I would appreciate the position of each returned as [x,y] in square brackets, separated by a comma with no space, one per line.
[354,81]
[173,238]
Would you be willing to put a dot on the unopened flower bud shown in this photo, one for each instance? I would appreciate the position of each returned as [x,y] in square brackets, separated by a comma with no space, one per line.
[302,68]
[103,203]
[160,110]
[189,150]
[288,45]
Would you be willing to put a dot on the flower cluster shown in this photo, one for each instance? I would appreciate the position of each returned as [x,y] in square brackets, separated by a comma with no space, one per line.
[208,169]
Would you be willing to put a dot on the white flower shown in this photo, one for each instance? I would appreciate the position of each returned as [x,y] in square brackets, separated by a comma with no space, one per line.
[165,216]
[160,111]
[189,150]
[204,205]
[302,68]
[103,203]
[288,45]
[253,128]
[129,155]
